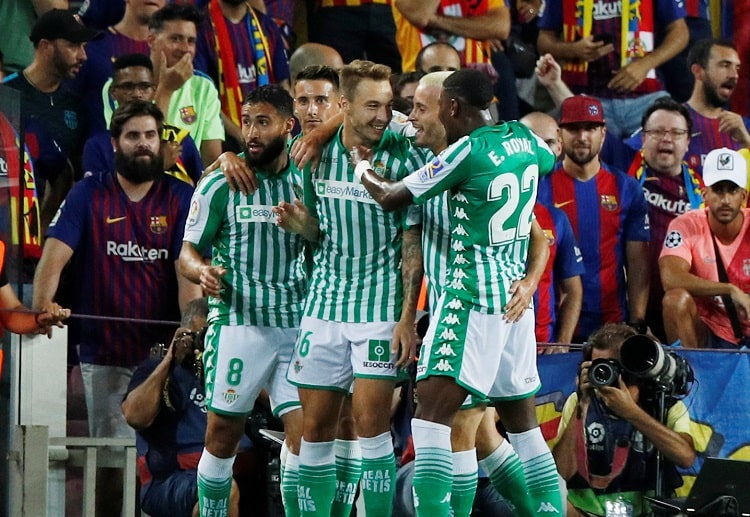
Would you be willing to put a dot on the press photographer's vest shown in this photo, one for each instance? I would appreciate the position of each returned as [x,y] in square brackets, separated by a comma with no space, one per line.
[612,455]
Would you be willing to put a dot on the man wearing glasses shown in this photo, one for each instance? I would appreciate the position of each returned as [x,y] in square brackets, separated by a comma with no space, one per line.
[607,210]
[133,79]
[669,185]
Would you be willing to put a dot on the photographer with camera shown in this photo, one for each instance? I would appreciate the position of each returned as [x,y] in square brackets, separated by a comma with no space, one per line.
[165,404]
[610,430]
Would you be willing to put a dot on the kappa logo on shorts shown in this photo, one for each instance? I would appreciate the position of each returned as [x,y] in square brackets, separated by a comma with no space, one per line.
[448,334]
[455,304]
[446,350]
[444,366]
[230,396]
[297,366]
[451,319]
[379,350]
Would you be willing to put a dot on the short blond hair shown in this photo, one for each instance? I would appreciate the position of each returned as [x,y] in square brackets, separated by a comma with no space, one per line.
[435,79]
[359,69]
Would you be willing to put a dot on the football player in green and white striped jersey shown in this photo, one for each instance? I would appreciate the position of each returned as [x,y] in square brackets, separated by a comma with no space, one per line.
[359,314]
[497,457]
[256,288]
[482,338]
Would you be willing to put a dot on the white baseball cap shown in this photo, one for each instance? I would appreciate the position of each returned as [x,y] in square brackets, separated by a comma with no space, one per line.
[725,165]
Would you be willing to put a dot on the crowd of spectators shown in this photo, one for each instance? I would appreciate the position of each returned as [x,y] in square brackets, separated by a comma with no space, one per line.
[634,106]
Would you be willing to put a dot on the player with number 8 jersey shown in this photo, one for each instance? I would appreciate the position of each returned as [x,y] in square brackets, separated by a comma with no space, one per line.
[256,285]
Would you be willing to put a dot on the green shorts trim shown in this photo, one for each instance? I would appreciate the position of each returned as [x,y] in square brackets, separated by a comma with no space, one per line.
[288,405]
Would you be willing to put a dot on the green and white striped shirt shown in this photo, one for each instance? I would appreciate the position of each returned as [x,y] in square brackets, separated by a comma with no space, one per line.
[356,276]
[265,284]
[492,178]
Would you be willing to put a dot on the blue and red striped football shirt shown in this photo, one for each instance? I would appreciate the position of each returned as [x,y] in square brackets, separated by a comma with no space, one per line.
[605,212]
[706,137]
[564,261]
[123,264]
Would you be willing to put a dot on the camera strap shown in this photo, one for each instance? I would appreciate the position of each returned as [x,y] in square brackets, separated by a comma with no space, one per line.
[728,303]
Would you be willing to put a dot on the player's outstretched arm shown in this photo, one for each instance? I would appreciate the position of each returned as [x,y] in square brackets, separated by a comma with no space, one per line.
[391,195]
[238,174]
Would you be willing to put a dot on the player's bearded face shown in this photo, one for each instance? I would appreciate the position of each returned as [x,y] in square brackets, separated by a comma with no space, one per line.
[258,154]
[140,165]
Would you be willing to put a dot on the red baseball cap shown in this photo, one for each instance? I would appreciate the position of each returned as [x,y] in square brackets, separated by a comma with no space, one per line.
[581,109]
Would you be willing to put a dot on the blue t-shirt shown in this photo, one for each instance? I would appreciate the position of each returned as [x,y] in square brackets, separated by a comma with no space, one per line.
[244,53]
[54,125]
[98,69]
[564,262]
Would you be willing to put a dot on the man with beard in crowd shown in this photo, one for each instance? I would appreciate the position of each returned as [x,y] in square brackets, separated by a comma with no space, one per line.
[51,111]
[608,213]
[121,233]
[715,65]
[256,286]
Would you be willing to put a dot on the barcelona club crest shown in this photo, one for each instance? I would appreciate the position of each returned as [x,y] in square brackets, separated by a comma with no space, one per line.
[188,114]
[549,234]
[158,224]
[608,202]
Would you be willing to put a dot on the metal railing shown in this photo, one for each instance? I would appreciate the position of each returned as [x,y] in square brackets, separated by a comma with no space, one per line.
[34,451]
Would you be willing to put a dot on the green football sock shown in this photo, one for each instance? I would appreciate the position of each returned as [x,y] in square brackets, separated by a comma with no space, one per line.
[289,482]
[506,475]
[539,470]
[348,471]
[433,468]
[378,474]
[464,482]
[214,484]
[317,479]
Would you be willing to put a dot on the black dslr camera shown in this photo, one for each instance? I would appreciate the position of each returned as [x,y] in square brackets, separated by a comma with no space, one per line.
[644,358]
[604,372]
[190,340]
